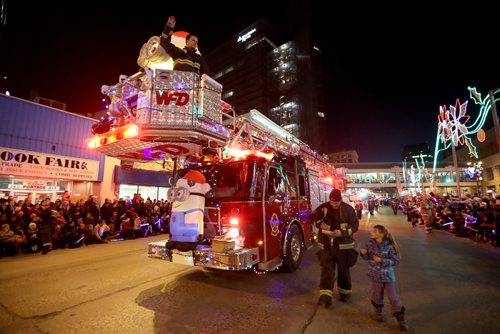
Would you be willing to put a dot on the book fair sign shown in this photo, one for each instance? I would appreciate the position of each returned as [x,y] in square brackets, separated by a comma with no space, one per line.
[35,164]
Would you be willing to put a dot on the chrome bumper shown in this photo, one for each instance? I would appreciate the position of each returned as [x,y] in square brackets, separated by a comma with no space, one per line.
[239,259]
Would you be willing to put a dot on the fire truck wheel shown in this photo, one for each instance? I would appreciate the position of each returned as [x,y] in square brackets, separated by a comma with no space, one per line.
[293,251]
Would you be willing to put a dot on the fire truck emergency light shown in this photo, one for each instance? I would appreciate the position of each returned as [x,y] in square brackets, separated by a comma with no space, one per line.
[233,233]
[238,154]
[327,180]
[124,132]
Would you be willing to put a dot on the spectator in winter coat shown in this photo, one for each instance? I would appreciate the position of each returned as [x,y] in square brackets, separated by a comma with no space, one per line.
[46,226]
[34,241]
[382,254]
[5,211]
[107,210]
[7,241]
[101,232]
[91,206]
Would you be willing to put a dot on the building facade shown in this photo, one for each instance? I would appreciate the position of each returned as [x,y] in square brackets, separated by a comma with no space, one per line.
[390,179]
[284,83]
[343,157]
[43,152]
[242,65]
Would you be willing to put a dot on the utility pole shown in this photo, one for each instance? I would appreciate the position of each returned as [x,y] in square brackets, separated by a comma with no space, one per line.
[454,153]
[495,119]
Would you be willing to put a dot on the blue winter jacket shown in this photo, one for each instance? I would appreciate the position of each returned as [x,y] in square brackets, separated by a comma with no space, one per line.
[381,272]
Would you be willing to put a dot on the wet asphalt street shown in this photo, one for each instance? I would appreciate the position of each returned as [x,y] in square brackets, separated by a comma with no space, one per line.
[448,285]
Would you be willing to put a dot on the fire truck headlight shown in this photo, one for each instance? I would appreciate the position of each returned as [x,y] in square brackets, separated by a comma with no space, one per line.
[234,221]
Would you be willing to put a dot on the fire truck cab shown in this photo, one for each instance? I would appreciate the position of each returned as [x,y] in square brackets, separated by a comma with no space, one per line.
[257,212]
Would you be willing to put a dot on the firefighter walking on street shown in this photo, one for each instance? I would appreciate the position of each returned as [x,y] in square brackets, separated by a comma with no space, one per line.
[337,222]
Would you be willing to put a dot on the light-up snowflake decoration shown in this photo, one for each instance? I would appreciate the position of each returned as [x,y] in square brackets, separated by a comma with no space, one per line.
[453,128]
[412,177]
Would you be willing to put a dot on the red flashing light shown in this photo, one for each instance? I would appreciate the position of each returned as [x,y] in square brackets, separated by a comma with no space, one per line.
[212,144]
[127,131]
[327,180]
[132,130]
[239,154]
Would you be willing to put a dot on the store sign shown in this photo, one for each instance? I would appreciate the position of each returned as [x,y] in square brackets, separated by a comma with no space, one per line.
[244,37]
[26,163]
[33,186]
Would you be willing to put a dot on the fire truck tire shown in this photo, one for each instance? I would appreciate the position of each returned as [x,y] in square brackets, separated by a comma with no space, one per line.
[293,252]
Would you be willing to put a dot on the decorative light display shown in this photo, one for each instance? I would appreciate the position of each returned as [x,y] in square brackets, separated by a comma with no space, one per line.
[412,177]
[453,128]
[474,170]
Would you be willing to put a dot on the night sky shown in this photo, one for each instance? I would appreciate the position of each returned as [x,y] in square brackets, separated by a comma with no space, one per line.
[387,69]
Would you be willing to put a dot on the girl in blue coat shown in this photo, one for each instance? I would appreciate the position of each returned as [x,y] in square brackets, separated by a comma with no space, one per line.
[382,254]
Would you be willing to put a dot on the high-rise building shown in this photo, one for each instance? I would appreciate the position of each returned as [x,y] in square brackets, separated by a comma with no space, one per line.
[283,83]
[242,66]
[306,89]
[344,157]
[299,109]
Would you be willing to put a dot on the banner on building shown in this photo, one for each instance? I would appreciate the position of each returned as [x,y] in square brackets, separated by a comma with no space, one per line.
[35,164]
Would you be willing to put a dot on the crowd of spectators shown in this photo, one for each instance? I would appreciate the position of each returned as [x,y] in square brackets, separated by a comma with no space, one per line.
[29,228]
[474,217]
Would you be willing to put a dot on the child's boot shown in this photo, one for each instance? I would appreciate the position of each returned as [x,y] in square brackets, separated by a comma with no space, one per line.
[377,312]
[400,317]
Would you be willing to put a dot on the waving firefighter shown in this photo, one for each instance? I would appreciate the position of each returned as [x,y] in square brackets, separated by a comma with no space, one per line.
[337,222]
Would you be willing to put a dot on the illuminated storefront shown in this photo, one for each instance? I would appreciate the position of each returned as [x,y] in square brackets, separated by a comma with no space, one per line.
[149,184]
[43,175]
[43,152]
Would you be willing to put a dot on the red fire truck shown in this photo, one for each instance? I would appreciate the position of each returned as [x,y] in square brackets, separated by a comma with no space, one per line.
[264,181]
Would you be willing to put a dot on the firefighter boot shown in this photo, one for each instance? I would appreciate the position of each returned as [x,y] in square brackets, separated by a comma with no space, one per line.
[325,300]
[377,312]
[400,317]
[344,297]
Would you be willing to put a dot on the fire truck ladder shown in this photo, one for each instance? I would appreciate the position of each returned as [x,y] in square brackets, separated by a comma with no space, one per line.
[254,131]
